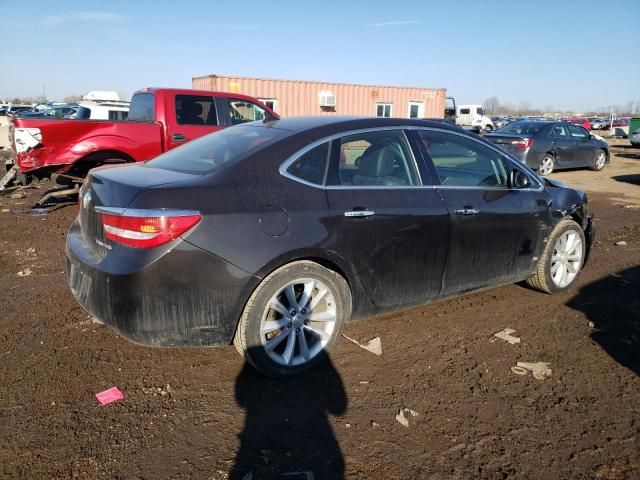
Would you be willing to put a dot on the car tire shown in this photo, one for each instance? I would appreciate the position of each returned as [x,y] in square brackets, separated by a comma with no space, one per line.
[269,315]
[547,165]
[488,129]
[562,259]
[599,161]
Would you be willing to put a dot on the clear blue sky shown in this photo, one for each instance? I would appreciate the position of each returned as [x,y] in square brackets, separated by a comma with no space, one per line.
[572,54]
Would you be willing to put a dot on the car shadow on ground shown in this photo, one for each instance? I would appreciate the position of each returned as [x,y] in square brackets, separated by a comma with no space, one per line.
[633,156]
[633,179]
[612,304]
[287,434]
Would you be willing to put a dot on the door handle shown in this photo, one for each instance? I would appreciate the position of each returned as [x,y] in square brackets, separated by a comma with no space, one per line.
[467,211]
[359,213]
[178,137]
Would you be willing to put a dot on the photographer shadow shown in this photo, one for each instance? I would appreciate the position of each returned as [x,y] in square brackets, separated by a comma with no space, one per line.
[287,434]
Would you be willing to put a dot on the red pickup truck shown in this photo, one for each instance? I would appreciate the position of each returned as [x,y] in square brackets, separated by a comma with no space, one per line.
[159,119]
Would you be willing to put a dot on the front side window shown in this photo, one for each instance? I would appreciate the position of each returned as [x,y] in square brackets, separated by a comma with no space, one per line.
[480,111]
[464,111]
[196,110]
[311,166]
[242,111]
[463,162]
[142,108]
[378,158]
[578,132]
[383,110]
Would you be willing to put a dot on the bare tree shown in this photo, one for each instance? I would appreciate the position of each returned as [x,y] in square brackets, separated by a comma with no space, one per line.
[491,105]
[72,98]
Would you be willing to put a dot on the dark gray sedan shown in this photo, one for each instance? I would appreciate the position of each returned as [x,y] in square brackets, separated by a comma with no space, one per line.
[549,146]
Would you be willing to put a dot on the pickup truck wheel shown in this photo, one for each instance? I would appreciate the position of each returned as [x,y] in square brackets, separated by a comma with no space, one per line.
[293,319]
[488,129]
[562,259]
[547,164]
[599,161]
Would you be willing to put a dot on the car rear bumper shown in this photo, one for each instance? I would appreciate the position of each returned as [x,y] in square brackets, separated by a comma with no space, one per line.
[184,297]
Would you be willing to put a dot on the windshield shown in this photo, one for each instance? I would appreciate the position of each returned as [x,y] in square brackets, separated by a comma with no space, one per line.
[205,154]
[522,128]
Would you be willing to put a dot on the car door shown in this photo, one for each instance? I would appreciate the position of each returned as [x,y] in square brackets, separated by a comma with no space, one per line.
[562,143]
[193,116]
[393,230]
[584,148]
[495,229]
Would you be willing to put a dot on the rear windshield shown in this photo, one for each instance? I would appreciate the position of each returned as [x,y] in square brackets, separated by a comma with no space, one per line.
[522,128]
[207,153]
[142,108]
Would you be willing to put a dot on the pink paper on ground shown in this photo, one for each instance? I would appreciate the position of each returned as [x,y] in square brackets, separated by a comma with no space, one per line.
[111,395]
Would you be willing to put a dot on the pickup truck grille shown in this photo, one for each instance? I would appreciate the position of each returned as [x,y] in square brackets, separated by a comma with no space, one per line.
[91,226]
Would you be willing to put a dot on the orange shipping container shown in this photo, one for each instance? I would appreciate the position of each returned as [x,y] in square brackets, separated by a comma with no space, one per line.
[296,97]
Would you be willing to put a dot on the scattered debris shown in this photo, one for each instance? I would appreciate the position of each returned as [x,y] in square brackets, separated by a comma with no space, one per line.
[506,336]
[540,370]
[6,210]
[402,418]
[375,424]
[364,382]
[621,243]
[163,391]
[17,195]
[110,395]
[31,250]
[374,345]
[592,325]
[347,425]
[25,272]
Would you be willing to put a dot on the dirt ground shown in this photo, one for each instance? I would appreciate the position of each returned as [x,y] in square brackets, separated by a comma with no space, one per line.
[196,413]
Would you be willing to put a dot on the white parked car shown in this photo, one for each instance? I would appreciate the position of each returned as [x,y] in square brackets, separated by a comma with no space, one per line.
[634,138]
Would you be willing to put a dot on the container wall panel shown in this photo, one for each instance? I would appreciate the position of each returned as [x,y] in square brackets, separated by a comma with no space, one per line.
[301,97]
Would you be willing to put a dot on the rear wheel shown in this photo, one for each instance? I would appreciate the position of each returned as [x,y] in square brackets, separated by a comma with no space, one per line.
[562,259]
[488,129]
[293,319]
[599,161]
[547,164]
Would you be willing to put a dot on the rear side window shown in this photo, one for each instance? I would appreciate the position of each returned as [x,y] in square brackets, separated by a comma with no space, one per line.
[378,158]
[196,110]
[142,108]
[311,166]
[463,162]
[559,131]
[208,153]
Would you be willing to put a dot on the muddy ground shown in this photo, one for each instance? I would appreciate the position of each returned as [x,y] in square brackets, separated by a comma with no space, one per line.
[195,413]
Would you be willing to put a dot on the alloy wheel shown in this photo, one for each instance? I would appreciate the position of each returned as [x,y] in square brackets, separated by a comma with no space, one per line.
[546,165]
[600,160]
[298,322]
[566,259]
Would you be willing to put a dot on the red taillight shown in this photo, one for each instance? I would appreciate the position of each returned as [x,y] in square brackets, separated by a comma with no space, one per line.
[522,144]
[146,231]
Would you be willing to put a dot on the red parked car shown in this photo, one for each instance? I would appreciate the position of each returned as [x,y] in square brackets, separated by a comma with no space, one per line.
[159,120]
[583,122]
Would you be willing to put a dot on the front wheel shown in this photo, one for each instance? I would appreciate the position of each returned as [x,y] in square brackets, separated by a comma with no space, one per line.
[488,129]
[293,319]
[599,161]
[547,164]
[561,260]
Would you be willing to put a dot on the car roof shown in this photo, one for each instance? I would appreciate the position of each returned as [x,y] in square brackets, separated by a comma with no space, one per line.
[189,91]
[339,123]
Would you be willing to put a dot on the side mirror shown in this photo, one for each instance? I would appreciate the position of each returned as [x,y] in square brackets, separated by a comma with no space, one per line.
[519,179]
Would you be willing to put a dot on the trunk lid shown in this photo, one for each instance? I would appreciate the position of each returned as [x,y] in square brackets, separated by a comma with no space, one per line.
[509,142]
[116,186]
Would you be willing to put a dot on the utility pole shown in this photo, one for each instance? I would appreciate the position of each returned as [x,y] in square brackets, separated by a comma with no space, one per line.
[44,92]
